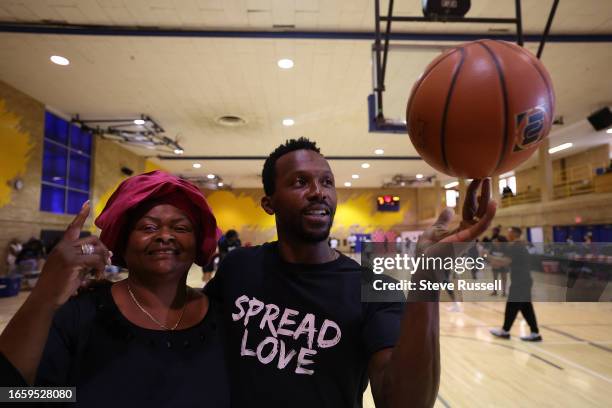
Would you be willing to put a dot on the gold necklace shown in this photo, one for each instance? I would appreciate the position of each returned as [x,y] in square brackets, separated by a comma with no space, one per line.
[336,255]
[150,316]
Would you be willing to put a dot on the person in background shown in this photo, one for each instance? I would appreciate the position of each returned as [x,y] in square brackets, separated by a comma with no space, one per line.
[30,261]
[474,253]
[32,250]
[517,258]
[13,250]
[228,243]
[486,240]
[333,243]
[352,242]
[588,247]
[493,247]
[209,269]
[455,307]
[399,244]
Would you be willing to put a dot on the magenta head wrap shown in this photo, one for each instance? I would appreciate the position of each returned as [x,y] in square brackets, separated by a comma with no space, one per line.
[141,193]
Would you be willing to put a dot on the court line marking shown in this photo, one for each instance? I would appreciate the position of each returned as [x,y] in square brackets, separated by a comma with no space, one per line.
[595,343]
[555,355]
[558,331]
[574,364]
[600,346]
[512,347]
[576,324]
[508,346]
[571,336]
[580,324]
[555,342]
[443,401]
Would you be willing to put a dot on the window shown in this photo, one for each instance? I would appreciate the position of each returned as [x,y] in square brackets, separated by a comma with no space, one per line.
[451,198]
[66,166]
[507,182]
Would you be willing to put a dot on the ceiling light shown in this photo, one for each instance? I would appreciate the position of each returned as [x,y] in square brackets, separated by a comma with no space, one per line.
[220,184]
[196,165]
[211,176]
[285,63]
[355,176]
[560,147]
[609,130]
[139,122]
[347,184]
[288,122]
[365,165]
[231,120]
[59,60]
[452,184]
[379,151]
[419,176]
[178,151]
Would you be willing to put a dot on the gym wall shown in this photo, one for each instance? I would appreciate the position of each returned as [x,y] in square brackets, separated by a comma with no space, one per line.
[597,156]
[21,150]
[527,177]
[240,209]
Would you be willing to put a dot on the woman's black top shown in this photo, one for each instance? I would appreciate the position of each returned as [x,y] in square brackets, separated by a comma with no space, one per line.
[113,363]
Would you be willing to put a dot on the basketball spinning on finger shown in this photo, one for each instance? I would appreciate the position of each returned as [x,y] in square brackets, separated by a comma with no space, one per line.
[480,109]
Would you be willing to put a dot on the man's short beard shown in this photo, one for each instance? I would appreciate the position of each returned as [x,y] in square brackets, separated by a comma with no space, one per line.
[296,231]
[315,238]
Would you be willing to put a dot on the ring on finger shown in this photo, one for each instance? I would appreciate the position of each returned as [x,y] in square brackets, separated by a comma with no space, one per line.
[87,249]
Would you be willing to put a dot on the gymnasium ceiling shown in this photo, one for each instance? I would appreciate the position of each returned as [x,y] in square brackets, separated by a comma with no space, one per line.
[185,84]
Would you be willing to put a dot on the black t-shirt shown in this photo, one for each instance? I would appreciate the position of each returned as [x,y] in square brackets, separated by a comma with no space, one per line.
[520,273]
[298,334]
[114,363]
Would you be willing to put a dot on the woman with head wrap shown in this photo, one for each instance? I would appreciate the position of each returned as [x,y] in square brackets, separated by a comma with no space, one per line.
[149,339]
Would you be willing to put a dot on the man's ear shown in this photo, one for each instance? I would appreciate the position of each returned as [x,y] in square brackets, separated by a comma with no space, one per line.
[266,204]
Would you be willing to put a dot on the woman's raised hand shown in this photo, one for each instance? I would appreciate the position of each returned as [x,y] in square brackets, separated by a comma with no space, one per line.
[69,263]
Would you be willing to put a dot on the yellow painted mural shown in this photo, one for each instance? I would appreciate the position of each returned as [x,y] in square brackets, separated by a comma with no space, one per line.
[150,166]
[358,213]
[239,211]
[99,206]
[103,199]
[15,149]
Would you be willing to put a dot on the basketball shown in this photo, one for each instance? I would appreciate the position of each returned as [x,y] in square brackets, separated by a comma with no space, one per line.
[480,109]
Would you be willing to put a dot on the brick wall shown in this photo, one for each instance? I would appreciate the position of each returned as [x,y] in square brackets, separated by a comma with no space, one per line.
[22,123]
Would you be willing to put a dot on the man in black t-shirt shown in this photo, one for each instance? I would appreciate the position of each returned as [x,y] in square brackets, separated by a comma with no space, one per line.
[298,334]
[518,259]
